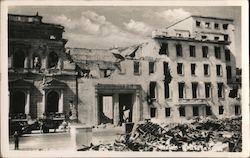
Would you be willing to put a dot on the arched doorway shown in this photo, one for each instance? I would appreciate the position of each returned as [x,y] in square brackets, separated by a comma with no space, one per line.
[52,102]
[18,59]
[52,60]
[17,102]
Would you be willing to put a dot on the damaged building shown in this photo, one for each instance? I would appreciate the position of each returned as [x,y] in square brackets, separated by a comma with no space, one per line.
[186,70]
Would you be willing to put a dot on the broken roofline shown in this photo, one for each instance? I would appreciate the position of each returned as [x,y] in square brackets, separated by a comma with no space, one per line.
[192,40]
[34,16]
[198,16]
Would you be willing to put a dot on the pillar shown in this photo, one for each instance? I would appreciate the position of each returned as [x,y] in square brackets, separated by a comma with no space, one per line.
[96,117]
[136,107]
[44,102]
[116,108]
[60,108]
[27,105]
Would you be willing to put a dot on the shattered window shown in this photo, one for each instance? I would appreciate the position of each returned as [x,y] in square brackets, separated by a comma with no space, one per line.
[217,52]
[192,51]
[198,23]
[18,59]
[52,60]
[207,89]
[208,111]
[227,55]
[216,26]
[216,38]
[229,73]
[152,112]
[182,111]
[167,112]
[152,89]
[237,109]
[178,50]
[221,110]
[205,51]
[166,88]
[193,66]
[107,73]
[226,37]
[206,69]
[151,67]
[136,67]
[179,68]
[164,49]
[225,26]
[218,70]
[195,111]
[220,90]
[207,25]
[181,89]
[194,89]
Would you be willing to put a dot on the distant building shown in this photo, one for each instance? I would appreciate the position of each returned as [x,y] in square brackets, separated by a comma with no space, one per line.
[177,75]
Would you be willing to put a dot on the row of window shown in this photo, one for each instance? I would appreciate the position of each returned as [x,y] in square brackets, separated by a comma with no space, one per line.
[209,26]
[195,109]
[181,90]
[192,51]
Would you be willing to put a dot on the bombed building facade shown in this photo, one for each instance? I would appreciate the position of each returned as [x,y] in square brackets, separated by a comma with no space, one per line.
[185,71]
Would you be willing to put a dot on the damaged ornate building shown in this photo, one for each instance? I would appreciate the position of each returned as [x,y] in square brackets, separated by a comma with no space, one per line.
[186,70]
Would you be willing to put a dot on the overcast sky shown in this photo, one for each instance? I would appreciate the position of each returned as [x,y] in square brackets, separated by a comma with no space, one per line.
[105,27]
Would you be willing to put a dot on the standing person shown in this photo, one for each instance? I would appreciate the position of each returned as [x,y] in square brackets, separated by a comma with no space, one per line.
[16,140]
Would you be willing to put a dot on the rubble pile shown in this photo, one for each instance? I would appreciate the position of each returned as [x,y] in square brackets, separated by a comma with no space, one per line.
[200,135]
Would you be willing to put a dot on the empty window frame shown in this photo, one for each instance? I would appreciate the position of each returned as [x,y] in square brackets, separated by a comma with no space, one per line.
[217,52]
[207,90]
[216,26]
[194,89]
[221,110]
[206,69]
[136,67]
[152,90]
[207,24]
[192,51]
[153,112]
[216,38]
[182,111]
[198,24]
[226,37]
[178,50]
[151,67]
[180,68]
[204,37]
[208,111]
[166,90]
[106,73]
[218,70]
[237,109]
[193,68]
[167,112]
[195,111]
[52,60]
[181,89]
[227,55]
[229,73]
[225,26]
[205,51]
[164,49]
[220,90]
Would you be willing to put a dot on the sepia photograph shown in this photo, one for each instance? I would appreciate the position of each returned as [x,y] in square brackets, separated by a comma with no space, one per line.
[123,78]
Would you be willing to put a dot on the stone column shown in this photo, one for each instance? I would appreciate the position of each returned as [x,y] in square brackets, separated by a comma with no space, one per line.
[44,102]
[116,108]
[26,62]
[27,105]
[60,106]
[136,107]
[96,117]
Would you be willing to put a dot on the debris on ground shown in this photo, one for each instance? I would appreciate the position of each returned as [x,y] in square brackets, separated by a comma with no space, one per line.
[198,135]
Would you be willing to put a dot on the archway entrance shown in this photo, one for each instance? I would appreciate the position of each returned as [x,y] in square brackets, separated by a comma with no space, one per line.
[52,102]
[17,102]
